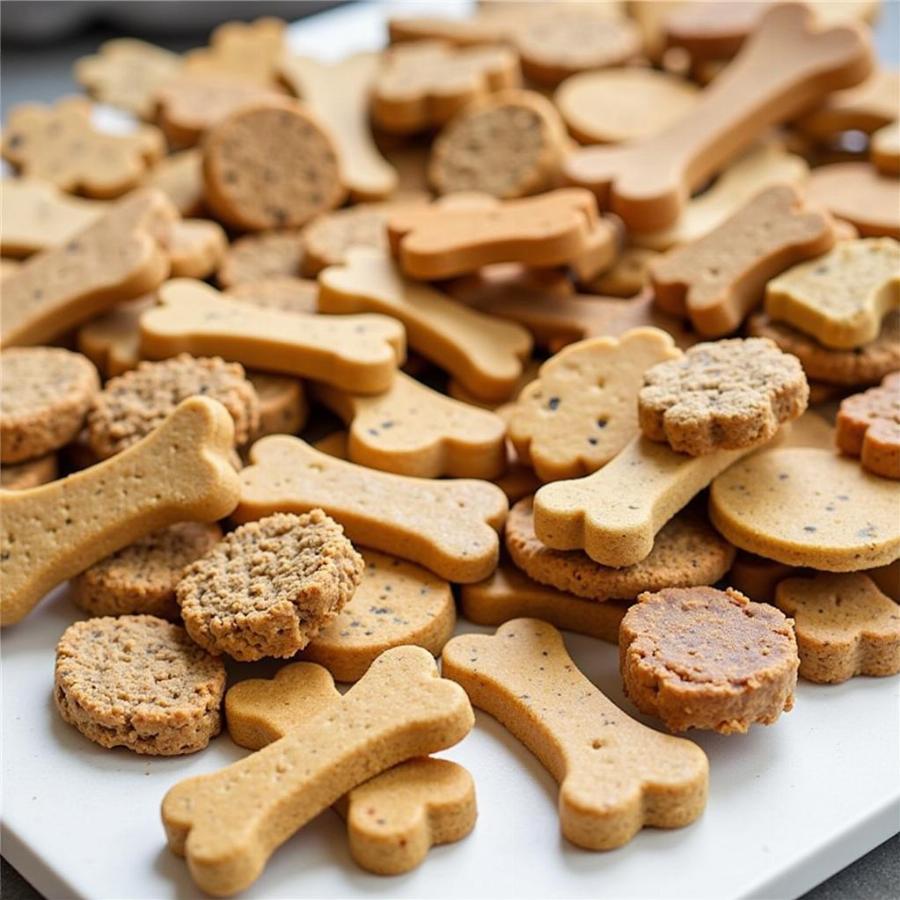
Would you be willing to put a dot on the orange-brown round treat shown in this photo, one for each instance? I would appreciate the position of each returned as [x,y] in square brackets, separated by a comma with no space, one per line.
[868,426]
[704,658]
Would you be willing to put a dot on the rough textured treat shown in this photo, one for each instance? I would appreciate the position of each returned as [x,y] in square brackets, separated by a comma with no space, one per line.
[884,149]
[757,577]
[30,474]
[112,341]
[703,658]
[180,177]
[866,107]
[296,295]
[138,682]
[46,393]
[268,254]
[616,776]
[196,248]
[868,426]
[242,51]
[282,404]
[857,193]
[845,626]
[725,395]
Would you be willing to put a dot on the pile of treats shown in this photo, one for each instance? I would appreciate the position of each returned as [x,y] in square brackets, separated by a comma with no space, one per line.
[587,318]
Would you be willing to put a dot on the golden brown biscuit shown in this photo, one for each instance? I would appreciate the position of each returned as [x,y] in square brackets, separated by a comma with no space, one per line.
[868,426]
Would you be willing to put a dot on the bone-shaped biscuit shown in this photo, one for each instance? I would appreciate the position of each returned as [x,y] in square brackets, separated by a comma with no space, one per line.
[616,776]
[392,819]
[228,824]
[180,472]
[359,353]
[450,527]
[782,70]
[482,353]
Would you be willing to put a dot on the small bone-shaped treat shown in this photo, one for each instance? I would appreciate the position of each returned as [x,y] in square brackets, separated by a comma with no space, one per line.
[120,256]
[229,823]
[450,527]
[481,352]
[392,819]
[616,776]
[180,472]
[358,353]
[782,70]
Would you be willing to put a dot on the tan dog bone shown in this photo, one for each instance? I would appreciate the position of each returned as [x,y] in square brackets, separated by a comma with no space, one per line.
[884,149]
[244,51]
[719,279]
[358,353]
[196,248]
[450,527]
[785,67]
[857,193]
[229,823]
[339,95]
[485,355]
[616,776]
[121,256]
[180,472]
[112,342]
[413,430]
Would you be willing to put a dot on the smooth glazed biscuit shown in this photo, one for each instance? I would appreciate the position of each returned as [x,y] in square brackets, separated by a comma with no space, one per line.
[757,577]
[866,107]
[196,248]
[724,395]
[449,527]
[266,254]
[628,275]
[401,708]
[244,51]
[703,658]
[180,177]
[112,341]
[29,474]
[868,426]
[808,507]
[845,626]
[582,408]
[181,472]
[46,393]
[841,298]
[282,403]
[616,776]
[884,149]
[859,194]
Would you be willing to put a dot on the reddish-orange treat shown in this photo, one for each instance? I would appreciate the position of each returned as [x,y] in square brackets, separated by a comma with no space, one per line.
[868,426]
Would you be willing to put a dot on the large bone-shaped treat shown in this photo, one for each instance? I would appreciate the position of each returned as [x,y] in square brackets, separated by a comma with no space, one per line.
[358,353]
[785,68]
[616,776]
[180,472]
[481,352]
[229,823]
[394,818]
[450,527]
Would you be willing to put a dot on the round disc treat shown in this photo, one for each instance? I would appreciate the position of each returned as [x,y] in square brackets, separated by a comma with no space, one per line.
[808,507]
[138,682]
[704,658]
[44,395]
[133,404]
[254,257]
[141,578]
[269,587]
[271,165]
[722,395]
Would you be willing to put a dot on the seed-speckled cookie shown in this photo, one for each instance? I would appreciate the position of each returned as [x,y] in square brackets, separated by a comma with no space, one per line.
[267,254]
[138,682]
[868,426]
[300,295]
[29,474]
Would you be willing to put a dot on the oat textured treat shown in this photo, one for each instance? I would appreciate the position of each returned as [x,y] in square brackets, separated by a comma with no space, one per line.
[46,393]
[845,626]
[266,254]
[868,426]
[859,194]
[29,474]
[704,658]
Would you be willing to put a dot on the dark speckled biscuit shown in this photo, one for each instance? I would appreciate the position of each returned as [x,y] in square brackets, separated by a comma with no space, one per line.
[268,254]
[299,295]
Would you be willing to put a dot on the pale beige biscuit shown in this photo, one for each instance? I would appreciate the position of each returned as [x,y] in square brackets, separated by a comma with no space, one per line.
[283,408]
[616,776]
[196,248]
[298,295]
[810,430]
[29,474]
[757,577]
[112,341]
[450,527]
[46,394]
[808,507]
[180,177]
[486,25]
[401,708]
[845,626]
[266,254]
[709,659]
[582,408]
[245,51]
[53,532]
[8,266]
[868,426]
[859,194]
[628,275]
[884,149]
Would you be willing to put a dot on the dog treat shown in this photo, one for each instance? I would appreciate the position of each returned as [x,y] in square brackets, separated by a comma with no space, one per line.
[884,149]
[458,392]
[46,393]
[808,507]
[29,474]
[627,277]
[757,577]
[8,267]
[401,708]
[809,430]
[196,248]
[866,107]
[359,353]
[121,256]
[845,626]
[296,295]
[841,298]
[112,341]
[581,410]
[859,194]
[868,426]
[785,67]
[180,177]
[703,658]
[267,254]
[447,526]
[887,578]
[616,776]
[243,51]
[282,403]
[724,395]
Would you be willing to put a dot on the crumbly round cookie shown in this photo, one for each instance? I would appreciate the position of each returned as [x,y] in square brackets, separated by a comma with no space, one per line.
[269,587]
[45,393]
[133,404]
[704,658]
[299,295]
[141,578]
[687,552]
[722,395]
[327,239]
[138,682]
[29,474]
[868,426]
[271,165]
[254,257]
